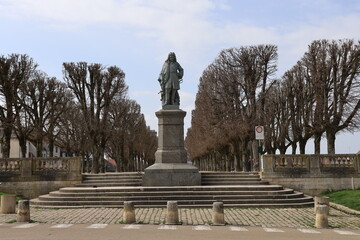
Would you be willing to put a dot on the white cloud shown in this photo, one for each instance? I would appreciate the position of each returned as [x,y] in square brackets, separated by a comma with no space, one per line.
[186,27]
[295,43]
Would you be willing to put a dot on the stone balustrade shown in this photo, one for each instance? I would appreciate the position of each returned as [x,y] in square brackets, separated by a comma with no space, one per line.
[31,177]
[313,173]
[10,166]
[314,164]
[24,168]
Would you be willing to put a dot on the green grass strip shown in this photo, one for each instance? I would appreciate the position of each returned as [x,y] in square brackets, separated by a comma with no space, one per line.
[348,198]
[17,198]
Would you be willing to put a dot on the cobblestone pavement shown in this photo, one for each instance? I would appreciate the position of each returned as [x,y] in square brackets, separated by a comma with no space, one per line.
[265,217]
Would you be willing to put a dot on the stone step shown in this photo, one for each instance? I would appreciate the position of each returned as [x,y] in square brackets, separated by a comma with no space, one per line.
[114,184]
[112,178]
[113,181]
[163,203]
[225,182]
[177,188]
[256,205]
[112,174]
[230,177]
[168,197]
[235,189]
[174,193]
[227,173]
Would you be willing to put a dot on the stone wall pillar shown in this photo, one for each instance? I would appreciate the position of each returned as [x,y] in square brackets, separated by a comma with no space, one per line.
[8,204]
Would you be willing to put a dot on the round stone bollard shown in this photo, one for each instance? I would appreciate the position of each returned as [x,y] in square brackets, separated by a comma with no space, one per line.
[322,215]
[23,213]
[172,214]
[129,212]
[218,213]
[8,204]
[321,201]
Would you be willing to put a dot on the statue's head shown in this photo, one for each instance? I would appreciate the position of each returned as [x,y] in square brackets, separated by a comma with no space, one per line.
[171,57]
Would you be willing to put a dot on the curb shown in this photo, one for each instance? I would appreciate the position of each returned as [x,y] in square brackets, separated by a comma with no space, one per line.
[344,209]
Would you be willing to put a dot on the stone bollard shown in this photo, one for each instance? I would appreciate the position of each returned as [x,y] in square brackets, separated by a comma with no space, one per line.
[218,213]
[23,213]
[129,212]
[322,215]
[172,215]
[8,203]
[321,201]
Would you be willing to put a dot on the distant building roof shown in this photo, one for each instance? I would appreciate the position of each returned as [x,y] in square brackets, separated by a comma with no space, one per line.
[112,162]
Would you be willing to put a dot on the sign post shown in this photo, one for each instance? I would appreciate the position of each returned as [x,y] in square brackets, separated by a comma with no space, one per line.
[259,135]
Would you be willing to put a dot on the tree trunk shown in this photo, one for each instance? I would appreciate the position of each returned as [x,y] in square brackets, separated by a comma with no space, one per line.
[95,162]
[317,141]
[255,154]
[39,147]
[22,143]
[282,150]
[302,146]
[293,148]
[51,148]
[118,162]
[6,145]
[83,158]
[330,136]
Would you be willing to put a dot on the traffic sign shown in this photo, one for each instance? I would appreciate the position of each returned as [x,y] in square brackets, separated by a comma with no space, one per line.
[259,132]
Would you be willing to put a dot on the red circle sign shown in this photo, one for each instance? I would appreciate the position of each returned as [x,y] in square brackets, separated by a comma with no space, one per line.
[259,129]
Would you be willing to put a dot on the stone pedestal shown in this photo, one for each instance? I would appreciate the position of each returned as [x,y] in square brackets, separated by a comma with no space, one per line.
[171,167]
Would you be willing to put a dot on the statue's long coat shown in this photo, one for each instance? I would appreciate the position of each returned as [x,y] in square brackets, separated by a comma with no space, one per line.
[170,74]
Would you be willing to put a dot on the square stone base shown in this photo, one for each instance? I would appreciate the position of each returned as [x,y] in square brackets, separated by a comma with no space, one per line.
[171,174]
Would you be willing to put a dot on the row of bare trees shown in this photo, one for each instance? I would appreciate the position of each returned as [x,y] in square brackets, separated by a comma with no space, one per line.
[88,115]
[319,96]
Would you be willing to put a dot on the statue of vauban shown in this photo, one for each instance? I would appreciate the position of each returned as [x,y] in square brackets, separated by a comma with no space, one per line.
[170,78]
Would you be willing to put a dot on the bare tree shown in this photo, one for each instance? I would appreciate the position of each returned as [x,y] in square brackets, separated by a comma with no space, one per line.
[332,71]
[300,100]
[15,69]
[95,88]
[123,115]
[231,102]
[344,95]
[38,94]
[59,102]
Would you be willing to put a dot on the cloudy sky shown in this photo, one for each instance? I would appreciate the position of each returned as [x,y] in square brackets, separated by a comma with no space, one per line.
[137,35]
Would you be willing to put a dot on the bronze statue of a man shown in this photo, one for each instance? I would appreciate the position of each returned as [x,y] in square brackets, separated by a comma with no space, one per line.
[170,78]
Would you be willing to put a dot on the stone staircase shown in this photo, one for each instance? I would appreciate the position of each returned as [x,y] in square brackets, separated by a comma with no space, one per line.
[233,189]
[111,180]
[231,178]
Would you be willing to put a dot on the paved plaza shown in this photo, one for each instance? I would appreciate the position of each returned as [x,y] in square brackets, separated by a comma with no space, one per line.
[264,217]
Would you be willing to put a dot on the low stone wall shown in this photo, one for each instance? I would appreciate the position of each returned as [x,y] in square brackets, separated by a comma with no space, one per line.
[31,177]
[313,174]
